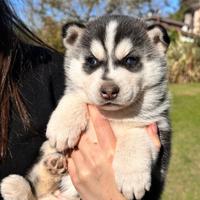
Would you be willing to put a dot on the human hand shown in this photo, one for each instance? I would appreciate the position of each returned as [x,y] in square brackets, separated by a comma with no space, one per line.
[90,166]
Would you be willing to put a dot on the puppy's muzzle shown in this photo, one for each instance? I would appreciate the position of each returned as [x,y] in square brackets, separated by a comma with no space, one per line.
[109,91]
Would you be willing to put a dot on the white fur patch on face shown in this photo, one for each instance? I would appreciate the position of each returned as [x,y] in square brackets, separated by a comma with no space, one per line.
[98,50]
[110,42]
[75,73]
[110,36]
[123,48]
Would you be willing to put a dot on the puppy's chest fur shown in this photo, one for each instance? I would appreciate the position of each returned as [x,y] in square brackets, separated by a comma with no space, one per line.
[121,129]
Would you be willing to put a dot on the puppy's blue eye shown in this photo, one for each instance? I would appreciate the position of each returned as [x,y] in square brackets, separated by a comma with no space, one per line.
[91,61]
[130,61]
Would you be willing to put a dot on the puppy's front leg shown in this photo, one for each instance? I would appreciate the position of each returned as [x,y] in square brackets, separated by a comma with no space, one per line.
[67,121]
[134,157]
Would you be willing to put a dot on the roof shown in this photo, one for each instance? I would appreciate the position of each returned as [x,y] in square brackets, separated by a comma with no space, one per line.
[191,4]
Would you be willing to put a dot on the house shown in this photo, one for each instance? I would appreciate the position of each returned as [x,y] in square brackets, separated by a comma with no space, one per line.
[192,19]
[189,28]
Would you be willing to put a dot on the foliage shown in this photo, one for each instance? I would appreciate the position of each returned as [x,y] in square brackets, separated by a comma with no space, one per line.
[46,17]
[184,62]
[174,35]
[179,15]
[184,58]
[51,33]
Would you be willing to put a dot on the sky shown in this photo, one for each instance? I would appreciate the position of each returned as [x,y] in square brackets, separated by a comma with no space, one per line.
[20,7]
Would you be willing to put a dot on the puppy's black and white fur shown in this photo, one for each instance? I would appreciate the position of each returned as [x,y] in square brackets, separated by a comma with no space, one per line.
[117,63]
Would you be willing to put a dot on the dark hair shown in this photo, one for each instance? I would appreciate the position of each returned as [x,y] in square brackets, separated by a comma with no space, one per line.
[13,35]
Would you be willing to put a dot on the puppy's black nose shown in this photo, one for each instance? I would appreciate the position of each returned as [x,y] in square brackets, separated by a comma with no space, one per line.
[109,91]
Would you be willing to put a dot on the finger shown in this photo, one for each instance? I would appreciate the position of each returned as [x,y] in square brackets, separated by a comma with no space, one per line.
[72,170]
[105,135]
[88,149]
[152,131]
[84,140]
[78,160]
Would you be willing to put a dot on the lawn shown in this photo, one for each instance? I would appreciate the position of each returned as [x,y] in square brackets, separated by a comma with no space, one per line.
[183,181]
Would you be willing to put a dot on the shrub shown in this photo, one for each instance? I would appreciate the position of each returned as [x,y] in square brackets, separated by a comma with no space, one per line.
[184,62]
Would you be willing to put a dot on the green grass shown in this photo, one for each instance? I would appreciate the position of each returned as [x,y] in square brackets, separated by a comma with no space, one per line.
[183,181]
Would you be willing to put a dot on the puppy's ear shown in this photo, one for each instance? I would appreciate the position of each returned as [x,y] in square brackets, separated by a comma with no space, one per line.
[71,33]
[159,37]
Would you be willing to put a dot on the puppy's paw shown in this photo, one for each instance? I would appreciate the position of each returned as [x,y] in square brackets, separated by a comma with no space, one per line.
[15,187]
[65,135]
[56,163]
[134,185]
[65,127]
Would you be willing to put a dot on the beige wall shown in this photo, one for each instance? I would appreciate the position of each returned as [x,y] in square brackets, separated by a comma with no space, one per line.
[196,22]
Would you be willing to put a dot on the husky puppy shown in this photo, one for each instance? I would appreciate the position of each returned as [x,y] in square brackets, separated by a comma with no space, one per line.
[117,63]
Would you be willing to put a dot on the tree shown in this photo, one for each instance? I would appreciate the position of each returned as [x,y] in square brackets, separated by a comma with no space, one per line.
[47,16]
